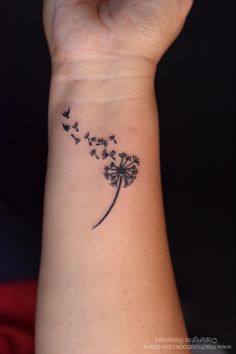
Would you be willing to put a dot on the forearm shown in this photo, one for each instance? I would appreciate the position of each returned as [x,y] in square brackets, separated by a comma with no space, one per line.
[106,282]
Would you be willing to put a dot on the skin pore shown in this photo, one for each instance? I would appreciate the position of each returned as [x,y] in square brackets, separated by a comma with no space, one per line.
[106,281]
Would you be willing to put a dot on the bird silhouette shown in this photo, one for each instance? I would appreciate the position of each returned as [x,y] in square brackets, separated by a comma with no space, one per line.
[66,127]
[66,114]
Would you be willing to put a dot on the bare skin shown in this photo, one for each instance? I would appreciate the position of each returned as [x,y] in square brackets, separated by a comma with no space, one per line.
[134,27]
[109,289]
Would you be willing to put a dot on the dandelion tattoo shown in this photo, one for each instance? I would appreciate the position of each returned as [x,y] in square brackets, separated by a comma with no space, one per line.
[77,140]
[90,140]
[94,153]
[122,174]
[66,114]
[76,126]
[122,170]
[113,138]
[103,142]
[66,127]
[106,154]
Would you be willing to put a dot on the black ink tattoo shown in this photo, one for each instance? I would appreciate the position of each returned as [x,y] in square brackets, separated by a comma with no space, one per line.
[66,127]
[66,114]
[106,154]
[76,126]
[94,153]
[77,140]
[113,138]
[103,142]
[90,140]
[120,174]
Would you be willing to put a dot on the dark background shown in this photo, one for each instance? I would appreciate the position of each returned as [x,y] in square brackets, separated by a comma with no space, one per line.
[195,96]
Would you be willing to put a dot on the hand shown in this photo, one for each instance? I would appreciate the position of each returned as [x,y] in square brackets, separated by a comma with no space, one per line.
[78,29]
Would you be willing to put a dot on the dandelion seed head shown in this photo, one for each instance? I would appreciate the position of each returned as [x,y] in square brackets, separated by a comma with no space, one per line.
[125,171]
[136,159]
[123,155]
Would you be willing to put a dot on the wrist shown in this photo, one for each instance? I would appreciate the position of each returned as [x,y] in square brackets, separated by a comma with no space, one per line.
[98,66]
[104,79]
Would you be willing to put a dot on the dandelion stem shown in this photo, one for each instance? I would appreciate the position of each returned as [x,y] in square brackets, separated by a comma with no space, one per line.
[112,205]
